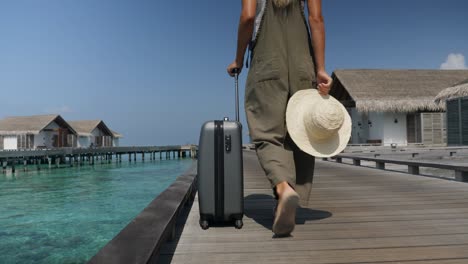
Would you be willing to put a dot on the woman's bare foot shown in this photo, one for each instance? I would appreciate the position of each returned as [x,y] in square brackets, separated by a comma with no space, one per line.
[285,217]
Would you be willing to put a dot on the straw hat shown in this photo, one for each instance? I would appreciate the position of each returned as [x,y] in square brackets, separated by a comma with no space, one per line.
[319,125]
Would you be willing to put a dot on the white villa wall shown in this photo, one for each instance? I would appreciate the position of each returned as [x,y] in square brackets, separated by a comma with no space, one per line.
[382,127]
[116,142]
[52,125]
[10,143]
[39,140]
[97,133]
[359,133]
[376,128]
[84,142]
[395,132]
[48,136]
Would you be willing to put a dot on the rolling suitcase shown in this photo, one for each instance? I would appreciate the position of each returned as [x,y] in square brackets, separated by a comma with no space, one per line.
[220,171]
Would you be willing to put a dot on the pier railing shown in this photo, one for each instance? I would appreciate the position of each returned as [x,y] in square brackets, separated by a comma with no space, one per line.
[460,168]
[81,156]
[94,150]
[141,240]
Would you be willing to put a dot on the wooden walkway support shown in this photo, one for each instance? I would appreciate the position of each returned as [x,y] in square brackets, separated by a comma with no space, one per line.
[10,158]
[356,215]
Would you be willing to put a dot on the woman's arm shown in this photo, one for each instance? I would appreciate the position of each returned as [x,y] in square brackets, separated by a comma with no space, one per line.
[317,30]
[245,31]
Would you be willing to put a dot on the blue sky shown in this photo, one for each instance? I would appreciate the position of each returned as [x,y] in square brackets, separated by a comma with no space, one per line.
[155,70]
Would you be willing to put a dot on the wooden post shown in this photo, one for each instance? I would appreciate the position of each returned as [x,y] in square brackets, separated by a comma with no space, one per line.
[38,163]
[143,156]
[4,166]
[134,156]
[357,162]
[461,176]
[49,160]
[13,170]
[57,162]
[413,169]
[380,165]
[25,164]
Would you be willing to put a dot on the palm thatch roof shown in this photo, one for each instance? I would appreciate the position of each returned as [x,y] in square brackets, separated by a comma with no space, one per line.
[30,124]
[459,90]
[117,134]
[86,127]
[393,90]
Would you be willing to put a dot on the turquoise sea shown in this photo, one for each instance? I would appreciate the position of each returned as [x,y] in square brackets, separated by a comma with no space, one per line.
[67,215]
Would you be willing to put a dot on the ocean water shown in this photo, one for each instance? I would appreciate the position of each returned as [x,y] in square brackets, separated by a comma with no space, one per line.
[67,215]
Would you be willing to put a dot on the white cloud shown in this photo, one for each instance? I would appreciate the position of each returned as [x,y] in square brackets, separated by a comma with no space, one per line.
[64,109]
[455,61]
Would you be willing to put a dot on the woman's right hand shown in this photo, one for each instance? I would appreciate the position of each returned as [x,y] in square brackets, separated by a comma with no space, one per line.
[324,82]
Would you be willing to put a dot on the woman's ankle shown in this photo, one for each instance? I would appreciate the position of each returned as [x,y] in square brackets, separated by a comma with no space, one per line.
[282,187]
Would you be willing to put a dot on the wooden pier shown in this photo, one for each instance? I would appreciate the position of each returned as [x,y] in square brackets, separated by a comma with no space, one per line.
[51,158]
[356,215]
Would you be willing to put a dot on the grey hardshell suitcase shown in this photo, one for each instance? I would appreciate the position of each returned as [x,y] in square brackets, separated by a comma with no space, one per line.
[220,171]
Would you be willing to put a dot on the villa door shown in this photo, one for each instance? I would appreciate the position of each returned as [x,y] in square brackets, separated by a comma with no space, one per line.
[413,128]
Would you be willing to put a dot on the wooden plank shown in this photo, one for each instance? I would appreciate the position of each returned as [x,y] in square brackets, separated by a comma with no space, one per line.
[324,244]
[311,255]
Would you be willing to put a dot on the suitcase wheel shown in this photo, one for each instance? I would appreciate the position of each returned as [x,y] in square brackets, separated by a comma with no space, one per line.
[239,224]
[204,224]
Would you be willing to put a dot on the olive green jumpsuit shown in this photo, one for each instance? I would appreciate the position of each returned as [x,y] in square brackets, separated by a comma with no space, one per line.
[282,64]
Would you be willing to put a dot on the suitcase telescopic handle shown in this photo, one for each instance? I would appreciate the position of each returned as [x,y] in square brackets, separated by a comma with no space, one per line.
[236,72]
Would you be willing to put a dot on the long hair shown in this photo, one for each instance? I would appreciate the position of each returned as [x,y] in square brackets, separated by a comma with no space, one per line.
[282,3]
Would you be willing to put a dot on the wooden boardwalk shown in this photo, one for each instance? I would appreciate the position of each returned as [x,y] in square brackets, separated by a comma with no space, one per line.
[356,215]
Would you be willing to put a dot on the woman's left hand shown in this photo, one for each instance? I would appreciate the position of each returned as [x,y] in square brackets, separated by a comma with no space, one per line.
[234,65]
[324,82]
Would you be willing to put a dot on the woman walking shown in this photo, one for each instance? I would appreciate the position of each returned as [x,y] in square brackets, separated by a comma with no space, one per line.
[286,58]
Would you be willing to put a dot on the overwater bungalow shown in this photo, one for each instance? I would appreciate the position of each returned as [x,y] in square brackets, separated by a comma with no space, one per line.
[36,132]
[395,106]
[455,100]
[95,133]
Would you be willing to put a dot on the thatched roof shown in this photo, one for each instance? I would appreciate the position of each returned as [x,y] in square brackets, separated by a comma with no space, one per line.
[393,90]
[116,134]
[86,127]
[459,90]
[30,124]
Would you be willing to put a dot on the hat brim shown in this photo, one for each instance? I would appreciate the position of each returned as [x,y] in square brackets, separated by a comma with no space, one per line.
[295,112]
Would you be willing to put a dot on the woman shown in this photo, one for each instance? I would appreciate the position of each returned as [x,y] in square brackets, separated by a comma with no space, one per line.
[286,58]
